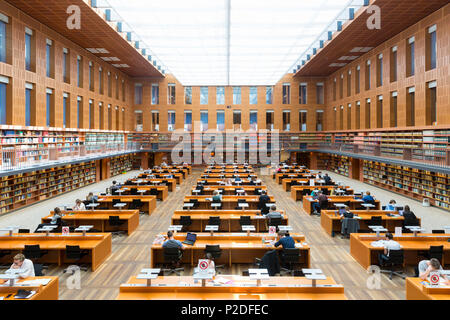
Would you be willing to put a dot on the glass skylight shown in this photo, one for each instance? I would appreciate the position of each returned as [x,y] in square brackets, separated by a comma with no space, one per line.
[227,42]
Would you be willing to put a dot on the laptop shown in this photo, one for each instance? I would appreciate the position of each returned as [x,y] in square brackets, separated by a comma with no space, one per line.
[190,239]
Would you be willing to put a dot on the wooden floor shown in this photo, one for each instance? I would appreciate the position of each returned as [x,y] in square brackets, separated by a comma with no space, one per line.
[131,254]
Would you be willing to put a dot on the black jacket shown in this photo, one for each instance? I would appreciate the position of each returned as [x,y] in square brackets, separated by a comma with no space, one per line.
[262,203]
[270,262]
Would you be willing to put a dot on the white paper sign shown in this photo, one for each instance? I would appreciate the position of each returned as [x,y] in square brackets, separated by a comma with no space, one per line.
[434,278]
[398,231]
[65,231]
[272,230]
[311,182]
[203,266]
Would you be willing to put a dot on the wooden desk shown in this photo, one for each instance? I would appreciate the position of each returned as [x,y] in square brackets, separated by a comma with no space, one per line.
[47,292]
[229,190]
[229,170]
[215,181]
[100,219]
[98,245]
[229,219]
[363,252]
[226,175]
[297,191]
[228,202]
[416,290]
[279,176]
[177,176]
[276,288]
[148,201]
[290,171]
[332,223]
[170,182]
[188,168]
[182,172]
[236,248]
[349,200]
[163,191]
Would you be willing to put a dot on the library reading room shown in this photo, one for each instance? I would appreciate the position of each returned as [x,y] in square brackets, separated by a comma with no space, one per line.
[224,150]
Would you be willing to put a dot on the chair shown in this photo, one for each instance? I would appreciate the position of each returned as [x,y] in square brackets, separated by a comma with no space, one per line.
[383,208]
[306,192]
[240,201]
[136,204]
[214,221]
[375,221]
[172,257]
[289,257]
[76,254]
[396,259]
[24,230]
[195,202]
[245,221]
[153,192]
[433,252]
[185,221]
[4,253]
[114,221]
[115,201]
[38,269]
[275,222]
[437,231]
[216,253]
[133,192]
[410,223]
[34,252]
[325,191]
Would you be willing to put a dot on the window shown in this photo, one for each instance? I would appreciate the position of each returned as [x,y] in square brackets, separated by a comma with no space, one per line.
[3,24]
[124,92]
[109,85]
[123,118]
[286,93]
[100,116]
[139,120]
[109,117]
[220,120]
[269,120]
[253,96]
[49,106]
[187,120]
[349,83]
[117,118]
[171,121]
[204,120]
[29,47]
[79,111]
[368,75]
[29,101]
[188,95]
[79,72]
[380,111]
[155,93]
[4,81]
[66,65]
[334,89]
[155,120]
[269,95]
[138,90]
[358,79]
[410,63]
[91,114]
[367,122]
[341,86]
[393,68]
[220,95]
[319,120]
[254,120]
[358,115]
[203,95]
[236,95]
[66,109]
[431,48]
[302,91]
[286,120]
[393,110]
[100,80]
[49,58]
[171,93]
[380,70]
[319,93]
[431,107]
[341,118]
[237,120]
[117,88]
[91,77]
[410,106]
[349,116]
[302,120]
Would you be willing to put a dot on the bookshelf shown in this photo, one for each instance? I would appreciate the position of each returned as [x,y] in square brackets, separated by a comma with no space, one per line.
[25,189]
[414,183]
[121,164]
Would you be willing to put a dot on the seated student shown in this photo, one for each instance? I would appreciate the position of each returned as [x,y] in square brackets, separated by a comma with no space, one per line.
[368,198]
[79,206]
[408,214]
[327,179]
[322,203]
[426,266]
[217,197]
[211,264]
[91,198]
[228,182]
[345,213]
[391,206]
[315,193]
[171,242]
[56,215]
[389,245]
[237,179]
[24,264]
[263,199]
[273,213]
[114,188]
[285,240]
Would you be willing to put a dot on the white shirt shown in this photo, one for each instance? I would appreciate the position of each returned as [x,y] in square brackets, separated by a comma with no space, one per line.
[81,207]
[392,245]
[27,267]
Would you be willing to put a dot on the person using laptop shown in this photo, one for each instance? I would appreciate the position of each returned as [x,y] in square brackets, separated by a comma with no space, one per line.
[23,264]
[171,242]
[391,206]
[217,197]
[368,198]
[79,206]
[285,240]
